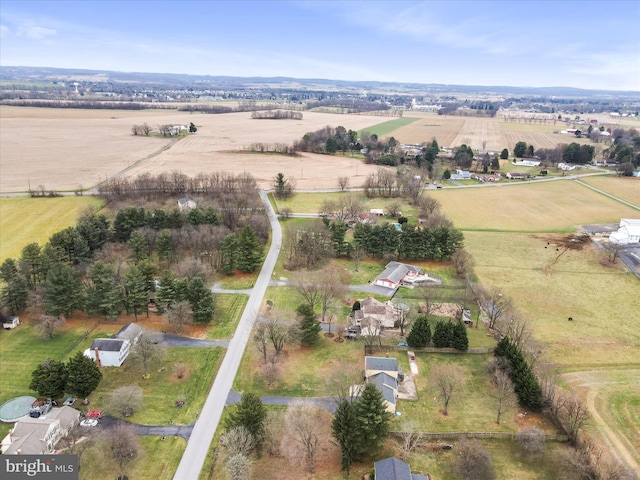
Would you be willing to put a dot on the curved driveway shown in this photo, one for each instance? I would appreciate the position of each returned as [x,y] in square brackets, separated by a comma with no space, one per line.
[204,429]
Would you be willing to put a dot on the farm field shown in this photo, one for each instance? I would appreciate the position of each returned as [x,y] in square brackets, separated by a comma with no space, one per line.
[553,206]
[626,188]
[102,145]
[28,220]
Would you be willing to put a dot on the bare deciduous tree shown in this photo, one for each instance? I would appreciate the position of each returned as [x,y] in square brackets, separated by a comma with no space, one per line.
[180,370]
[502,391]
[273,429]
[307,429]
[238,467]
[48,324]
[147,350]
[473,461]
[271,371]
[530,440]
[122,445]
[428,205]
[260,340]
[574,415]
[514,325]
[179,314]
[125,400]
[409,440]
[343,183]
[496,305]
[236,441]
[343,381]
[430,296]
[447,378]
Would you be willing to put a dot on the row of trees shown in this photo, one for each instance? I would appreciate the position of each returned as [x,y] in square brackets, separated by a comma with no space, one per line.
[446,334]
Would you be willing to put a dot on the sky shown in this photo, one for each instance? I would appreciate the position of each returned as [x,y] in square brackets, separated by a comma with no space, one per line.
[584,44]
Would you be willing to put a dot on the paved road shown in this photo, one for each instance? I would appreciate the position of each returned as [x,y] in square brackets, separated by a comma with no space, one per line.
[204,429]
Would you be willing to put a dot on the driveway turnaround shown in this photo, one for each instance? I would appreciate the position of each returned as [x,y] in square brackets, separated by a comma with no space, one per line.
[327,403]
[204,429]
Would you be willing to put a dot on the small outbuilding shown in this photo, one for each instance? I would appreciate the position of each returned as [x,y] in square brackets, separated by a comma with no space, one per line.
[9,323]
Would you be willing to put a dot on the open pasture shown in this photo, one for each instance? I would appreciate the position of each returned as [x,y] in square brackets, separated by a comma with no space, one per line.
[63,149]
[28,220]
[480,134]
[384,128]
[600,299]
[554,206]
[626,188]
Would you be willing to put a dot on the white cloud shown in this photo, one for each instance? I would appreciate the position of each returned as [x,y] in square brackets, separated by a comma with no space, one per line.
[4,31]
[35,32]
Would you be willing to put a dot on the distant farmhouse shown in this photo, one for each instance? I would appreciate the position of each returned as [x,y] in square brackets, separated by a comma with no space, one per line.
[628,232]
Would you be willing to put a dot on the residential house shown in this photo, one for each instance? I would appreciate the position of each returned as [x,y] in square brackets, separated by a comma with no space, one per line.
[628,232]
[517,175]
[35,436]
[394,273]
[461,175]
[130,332]
[393,469]
[108,352]
[378,212]
[375,313]
[383,373]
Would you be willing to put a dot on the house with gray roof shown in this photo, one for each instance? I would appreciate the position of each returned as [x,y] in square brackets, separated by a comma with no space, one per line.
[393,469]
[394,273]
[35,436]
[108,352]
[383,373]
[130,332]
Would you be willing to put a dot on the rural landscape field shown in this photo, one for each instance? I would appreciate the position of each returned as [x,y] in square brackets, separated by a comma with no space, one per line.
[510,230]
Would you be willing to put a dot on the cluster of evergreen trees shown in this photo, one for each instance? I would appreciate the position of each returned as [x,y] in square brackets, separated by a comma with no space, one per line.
[422,243]
[361,427]
[524,381]
[446,334]
[79,376]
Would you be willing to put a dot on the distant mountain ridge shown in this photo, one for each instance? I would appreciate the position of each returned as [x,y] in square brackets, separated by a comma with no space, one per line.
[18,73]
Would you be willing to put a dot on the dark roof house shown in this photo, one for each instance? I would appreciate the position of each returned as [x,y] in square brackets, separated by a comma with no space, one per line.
[393,469]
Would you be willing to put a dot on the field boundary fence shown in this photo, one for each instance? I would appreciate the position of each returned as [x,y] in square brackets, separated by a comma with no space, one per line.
[82,338]
[548,437]
[371,349]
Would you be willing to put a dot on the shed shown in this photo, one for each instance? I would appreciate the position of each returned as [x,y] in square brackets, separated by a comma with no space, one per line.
[9,323]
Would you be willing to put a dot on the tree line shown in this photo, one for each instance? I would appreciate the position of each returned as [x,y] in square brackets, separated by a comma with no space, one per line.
[276,115]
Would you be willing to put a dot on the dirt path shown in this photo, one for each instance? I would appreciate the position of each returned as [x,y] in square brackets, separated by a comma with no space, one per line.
[593,382]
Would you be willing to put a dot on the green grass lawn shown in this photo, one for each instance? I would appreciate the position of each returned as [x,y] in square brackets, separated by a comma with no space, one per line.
[385,128]
[472,407]
[22,350]
[157,459]
[162,390]
[227,314]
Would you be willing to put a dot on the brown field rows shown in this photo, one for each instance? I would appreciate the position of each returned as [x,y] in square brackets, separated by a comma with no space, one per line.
[441,127]
[67,148]
[480,133]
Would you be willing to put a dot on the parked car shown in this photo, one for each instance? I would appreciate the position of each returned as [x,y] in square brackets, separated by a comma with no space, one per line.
[95,414]
[89,422]
[69,401]
[351,336]
[402,344]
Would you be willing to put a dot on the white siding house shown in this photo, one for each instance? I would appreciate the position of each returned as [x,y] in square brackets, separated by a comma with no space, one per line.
[628,232]
[108,352]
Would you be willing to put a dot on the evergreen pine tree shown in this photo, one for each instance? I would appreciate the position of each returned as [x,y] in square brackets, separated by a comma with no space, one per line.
[460,341]
[62,290]
[201,301]
[136,290]
[83,375]
[229,250]
[249,250]
[49,379]
[420,334]
[164,245]
[345,428]
[373,419]
[442,334]
[250,414]
[309,325]
[103,291]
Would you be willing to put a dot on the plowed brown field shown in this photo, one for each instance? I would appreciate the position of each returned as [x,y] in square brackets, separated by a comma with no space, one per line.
[63,149]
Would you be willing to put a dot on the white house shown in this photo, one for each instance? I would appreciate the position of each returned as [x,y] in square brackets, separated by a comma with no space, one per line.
[375,313]
[108,352]
[394,273]
[461,175]
[186,204]
[628,232]
[36,436]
